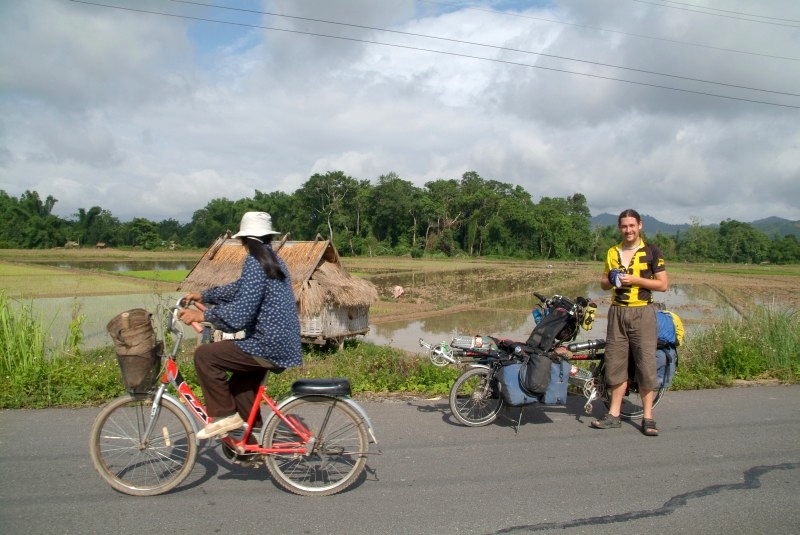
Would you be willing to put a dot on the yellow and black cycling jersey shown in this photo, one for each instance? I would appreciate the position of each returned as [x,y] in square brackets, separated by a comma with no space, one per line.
[646,262]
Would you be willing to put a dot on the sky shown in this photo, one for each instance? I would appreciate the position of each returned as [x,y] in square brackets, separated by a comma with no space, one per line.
[685,111]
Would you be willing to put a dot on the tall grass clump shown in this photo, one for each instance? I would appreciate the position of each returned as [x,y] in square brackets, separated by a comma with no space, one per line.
[22,337]
[763,345]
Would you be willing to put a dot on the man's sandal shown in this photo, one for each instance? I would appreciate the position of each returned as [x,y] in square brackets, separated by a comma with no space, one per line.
[649,428]
[608,422]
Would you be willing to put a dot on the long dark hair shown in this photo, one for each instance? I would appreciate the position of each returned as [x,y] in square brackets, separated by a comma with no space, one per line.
[261,249]
[629,213]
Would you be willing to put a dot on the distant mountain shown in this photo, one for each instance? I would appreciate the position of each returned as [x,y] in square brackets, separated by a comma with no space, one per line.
[771,226]
[777,226]
[652,226]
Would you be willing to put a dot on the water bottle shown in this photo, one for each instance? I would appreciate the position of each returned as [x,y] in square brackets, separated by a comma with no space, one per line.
[537,315]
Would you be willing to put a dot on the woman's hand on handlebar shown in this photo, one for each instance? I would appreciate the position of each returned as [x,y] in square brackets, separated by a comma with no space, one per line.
[191,297]
[191,315]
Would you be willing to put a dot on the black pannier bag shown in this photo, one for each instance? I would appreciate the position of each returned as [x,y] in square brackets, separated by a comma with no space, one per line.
[558,325]
[535,374]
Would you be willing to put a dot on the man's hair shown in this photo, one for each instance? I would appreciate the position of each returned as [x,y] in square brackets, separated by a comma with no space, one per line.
[629,213]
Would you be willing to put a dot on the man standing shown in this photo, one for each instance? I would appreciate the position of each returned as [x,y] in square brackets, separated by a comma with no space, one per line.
[633,271]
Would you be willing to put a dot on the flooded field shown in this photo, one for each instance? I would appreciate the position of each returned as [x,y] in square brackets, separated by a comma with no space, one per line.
[441,298]
[512,318]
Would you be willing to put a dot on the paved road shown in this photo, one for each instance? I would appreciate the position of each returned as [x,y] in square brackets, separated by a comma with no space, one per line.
[728,461]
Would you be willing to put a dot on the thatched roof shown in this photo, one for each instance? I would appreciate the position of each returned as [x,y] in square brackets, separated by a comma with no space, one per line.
[318,277]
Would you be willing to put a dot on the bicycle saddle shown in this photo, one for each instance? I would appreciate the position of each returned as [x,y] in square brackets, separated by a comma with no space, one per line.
[325,387]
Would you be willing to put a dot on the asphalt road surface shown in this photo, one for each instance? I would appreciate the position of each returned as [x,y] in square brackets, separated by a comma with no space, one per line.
[727,461]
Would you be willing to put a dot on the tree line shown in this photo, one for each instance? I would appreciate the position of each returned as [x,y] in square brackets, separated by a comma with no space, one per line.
[471,217]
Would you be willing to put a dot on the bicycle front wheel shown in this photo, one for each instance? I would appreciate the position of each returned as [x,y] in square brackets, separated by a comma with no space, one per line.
[473,401]
[140,465]
[339,450]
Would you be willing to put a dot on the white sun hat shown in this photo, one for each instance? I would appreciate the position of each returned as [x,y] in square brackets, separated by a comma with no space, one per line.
[255,224]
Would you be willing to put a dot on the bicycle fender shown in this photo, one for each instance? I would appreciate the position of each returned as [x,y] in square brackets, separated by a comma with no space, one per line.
[192,417]
[350,402]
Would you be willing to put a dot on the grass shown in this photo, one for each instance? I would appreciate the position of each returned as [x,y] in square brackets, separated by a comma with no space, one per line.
[765,346]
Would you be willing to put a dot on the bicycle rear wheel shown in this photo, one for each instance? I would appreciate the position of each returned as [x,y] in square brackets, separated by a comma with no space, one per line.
[632,406]
[136,464]
[473,401]
[337,457]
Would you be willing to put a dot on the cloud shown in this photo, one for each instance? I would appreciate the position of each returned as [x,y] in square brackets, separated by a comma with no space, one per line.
[153,116]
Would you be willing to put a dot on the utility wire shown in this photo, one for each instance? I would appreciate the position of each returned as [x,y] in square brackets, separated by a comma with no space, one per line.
[640,36]
[455,54]
[728,11]
[459,41]
[699,10]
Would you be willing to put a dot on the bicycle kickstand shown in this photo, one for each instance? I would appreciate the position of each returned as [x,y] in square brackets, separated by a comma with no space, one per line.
[519,420]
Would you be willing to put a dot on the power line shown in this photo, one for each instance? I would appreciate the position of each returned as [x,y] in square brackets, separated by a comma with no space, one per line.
[728,11]
[455,54]
[507,49]
[700,8]
[640,36]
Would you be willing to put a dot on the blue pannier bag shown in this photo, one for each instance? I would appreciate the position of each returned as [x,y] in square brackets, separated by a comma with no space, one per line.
[556,393]
[511,388]
[670,336]
[666,365]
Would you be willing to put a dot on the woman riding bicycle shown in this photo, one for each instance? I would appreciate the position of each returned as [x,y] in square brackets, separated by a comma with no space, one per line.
[260,303]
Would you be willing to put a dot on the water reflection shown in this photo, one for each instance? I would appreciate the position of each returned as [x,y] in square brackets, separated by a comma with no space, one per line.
[698,306]
[141,265]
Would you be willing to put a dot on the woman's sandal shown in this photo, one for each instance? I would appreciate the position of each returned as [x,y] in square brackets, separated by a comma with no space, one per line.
[608,422]
[649,428]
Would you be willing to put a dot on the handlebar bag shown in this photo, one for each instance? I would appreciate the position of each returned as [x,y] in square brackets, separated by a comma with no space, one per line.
[558,325]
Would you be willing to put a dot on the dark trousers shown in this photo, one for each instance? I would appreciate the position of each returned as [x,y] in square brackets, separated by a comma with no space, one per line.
[225,395]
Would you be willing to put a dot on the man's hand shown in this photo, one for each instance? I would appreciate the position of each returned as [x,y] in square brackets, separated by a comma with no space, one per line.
[615,277]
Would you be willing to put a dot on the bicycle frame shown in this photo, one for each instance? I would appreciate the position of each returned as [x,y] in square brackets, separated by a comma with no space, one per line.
[192,406]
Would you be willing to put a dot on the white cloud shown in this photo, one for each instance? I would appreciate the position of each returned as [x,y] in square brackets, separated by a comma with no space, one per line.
[153,116]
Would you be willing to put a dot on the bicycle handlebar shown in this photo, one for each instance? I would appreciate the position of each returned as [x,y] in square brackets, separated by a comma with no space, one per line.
[181,304]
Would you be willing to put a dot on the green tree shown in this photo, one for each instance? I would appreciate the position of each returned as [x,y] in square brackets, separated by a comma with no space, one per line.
[326,199]
[394,207]
[95,225]
[209,223]
[441,215]
[700,244]
[742,243]
[141,232]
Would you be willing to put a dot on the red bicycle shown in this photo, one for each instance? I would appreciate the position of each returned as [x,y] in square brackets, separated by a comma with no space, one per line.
[313,443]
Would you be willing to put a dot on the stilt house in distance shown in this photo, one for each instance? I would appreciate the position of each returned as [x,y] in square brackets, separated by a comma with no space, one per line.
[332,304]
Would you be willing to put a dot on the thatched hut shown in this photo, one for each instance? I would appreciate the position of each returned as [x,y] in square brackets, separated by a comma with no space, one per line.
[332,304]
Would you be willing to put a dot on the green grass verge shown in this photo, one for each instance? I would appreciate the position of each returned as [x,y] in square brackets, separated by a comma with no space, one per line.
[93,378]
[765,345]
